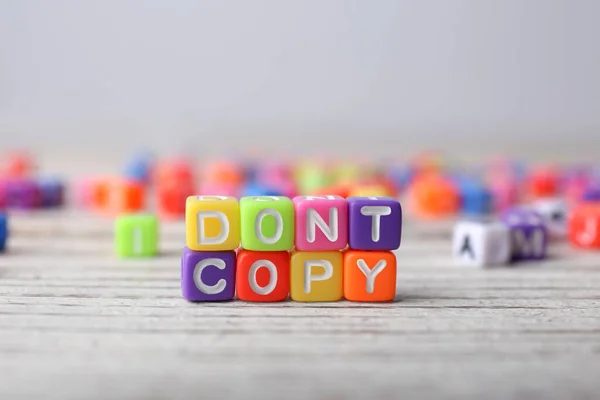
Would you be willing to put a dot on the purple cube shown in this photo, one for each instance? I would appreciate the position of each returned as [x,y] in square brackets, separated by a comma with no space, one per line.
[208,275]
[19,193]
[528,234]
[51,192]
[375,223]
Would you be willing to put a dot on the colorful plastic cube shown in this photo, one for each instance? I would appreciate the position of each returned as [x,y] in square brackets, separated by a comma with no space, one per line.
[263,276]
[481,243]
[543,182]
[20,193]
[16,164]
[505,193]
[51,192]
[554,212]
[584,226]
[267,223]
[3,231]
[179,170]
[529,236]
[171,198]
[316,276]
[434,197]
[136,236]
[139,168]
[375,223]
[212,223]
[116,196]
[208,276]
[369,276]
[321,223]
[476,199]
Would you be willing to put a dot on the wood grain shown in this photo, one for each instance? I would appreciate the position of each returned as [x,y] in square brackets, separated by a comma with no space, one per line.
[77,323]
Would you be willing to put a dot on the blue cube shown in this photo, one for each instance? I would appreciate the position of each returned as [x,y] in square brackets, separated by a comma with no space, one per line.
[3,231]
[139,167]
[476,198]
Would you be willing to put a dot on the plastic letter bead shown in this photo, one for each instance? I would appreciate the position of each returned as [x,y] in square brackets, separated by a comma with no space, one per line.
[208,276]
[369,275]
[136,236]
[267,223]
[263,276]
[212,223]
[375,223]
[321,223]
[316,276]
[3,232]
[481,244]
[584,226]
[529,236]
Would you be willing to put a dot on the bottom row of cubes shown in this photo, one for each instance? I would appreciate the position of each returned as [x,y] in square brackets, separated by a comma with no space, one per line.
[366,276]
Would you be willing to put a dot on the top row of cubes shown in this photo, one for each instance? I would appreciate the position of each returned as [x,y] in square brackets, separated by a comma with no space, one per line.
[308,223]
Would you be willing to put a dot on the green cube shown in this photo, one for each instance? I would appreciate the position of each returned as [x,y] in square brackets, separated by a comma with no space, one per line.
[267,223]
[136,236]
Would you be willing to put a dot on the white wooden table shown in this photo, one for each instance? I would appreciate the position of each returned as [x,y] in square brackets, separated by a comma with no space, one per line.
[76,323]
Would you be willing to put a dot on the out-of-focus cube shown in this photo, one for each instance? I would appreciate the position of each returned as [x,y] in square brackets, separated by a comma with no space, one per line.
[51,192]
[117,195]
[554,212]
[136,236]
[543,182]
[584,226]
[3,231]
[529,236]
[16,164]
[20,193]
[481,243]
[434,196]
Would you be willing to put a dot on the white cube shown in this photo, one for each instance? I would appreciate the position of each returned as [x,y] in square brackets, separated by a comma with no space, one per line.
[481,243]
[554,213]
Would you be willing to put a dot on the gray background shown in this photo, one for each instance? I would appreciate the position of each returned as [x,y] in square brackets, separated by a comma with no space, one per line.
[219,75]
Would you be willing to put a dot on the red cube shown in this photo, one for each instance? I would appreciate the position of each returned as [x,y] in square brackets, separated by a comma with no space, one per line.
[263,276]
[584,226]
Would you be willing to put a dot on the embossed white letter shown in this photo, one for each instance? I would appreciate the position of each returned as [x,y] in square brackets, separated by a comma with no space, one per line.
[256,288]
[308,277]
[278,226]
[313,219]
[222,236]
[371,274]
[204,288]
[376,212]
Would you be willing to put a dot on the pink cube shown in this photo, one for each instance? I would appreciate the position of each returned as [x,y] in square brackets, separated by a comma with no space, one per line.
[505,192]
[321,223]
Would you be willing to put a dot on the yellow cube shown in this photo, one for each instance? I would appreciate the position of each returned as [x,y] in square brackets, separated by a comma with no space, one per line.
[212,223]
[316,276]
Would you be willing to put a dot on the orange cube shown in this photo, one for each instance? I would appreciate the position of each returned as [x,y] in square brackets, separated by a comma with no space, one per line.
[433,196]
[16,164]
[263,276]
[369,276]
[224,172]
[117,195]
[584,226]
